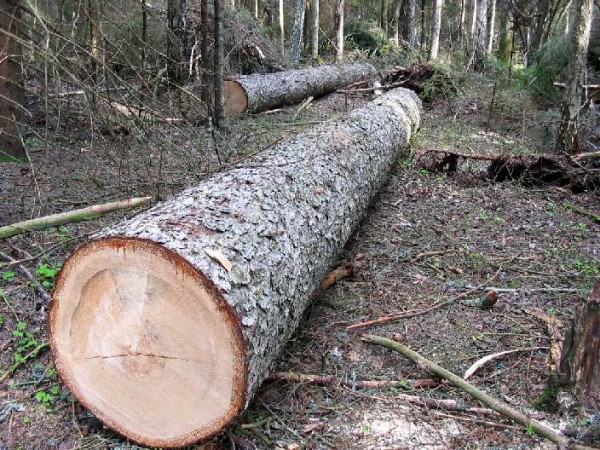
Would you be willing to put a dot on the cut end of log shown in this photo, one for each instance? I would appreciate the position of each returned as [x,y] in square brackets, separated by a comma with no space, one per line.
[147,343]
[235,100]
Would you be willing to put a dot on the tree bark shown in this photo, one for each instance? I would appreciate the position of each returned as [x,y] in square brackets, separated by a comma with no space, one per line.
[397,8]
[580,364]
[298,29]
[178,40]
[411,22]
[207,66]
[567,141]
[278,23]
[314,43]
[481,34]
[491,23]
[384,17]
[165,325]
[436,26]
[12,94]
[218,112]
[339,31]
[260,92]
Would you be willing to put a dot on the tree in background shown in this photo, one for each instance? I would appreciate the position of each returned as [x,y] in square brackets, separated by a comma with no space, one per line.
[314,42]
[218,112]
[411,22]
[339,30]
[178,41]
[298,29]
[436,26]
[11,81]
[481,34]
[579,37]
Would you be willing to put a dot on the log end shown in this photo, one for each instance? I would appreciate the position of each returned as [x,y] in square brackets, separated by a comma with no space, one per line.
[147,343]
[235,98]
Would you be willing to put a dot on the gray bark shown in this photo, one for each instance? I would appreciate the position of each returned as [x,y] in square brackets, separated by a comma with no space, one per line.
[281,219]
[271,90]
[298,29]
[178,40]
[339,30]
[314,43]
[491,23]
[579,38]
[218,112]
[411,22]
[481,33]
[436,26]
[12,93]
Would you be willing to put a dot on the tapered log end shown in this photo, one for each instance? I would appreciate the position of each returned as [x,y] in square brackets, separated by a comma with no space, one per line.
[235,98]
[147,343]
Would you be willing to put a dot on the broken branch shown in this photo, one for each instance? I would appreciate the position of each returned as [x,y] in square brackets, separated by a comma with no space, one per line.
[484,398]
[78,215]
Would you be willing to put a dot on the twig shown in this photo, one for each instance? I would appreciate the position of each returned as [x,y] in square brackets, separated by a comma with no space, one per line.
[38,287]
[427,254]
[25,360]
[302,107]
[419,312]
[444,404]
[486,399]
[324,380]
[345,271]
[483,361]
[91,212]
[512,290]
[481,422]
[42,253]
[584,212]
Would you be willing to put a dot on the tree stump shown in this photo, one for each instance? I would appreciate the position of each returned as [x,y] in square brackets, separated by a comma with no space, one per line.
[580,364]
[163,326]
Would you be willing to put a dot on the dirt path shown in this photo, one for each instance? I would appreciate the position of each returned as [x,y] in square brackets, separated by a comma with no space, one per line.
[428,238]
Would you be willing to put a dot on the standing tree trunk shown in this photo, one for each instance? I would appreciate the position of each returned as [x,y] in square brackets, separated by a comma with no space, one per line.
[96,53]
[207,65]
[314,42]
[298,29]
[423,28]
[579,38]
[492,20]
[436,26]
[277,15]
[384,18]
[12,94]
[164,326]
[481,34]
[411,22]
[144,36]
[580,363]
[504,32]
[473,25]
[397,7]
[218,62]
[178,41]
[339,30]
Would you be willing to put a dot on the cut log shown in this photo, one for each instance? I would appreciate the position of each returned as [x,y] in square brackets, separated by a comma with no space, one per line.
[580,364]
[260,92]
[164,326]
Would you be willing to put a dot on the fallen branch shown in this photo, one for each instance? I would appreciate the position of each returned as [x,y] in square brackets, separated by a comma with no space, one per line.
[345,271]
[325,380]
[497,405]
[419,312]
[38,287]
[78,215]
[584,212]
[431,403]
[481,422]
[32,354]
[483,361]
[428,254]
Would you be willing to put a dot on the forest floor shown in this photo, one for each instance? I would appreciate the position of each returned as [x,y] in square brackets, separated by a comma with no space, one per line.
[427,237]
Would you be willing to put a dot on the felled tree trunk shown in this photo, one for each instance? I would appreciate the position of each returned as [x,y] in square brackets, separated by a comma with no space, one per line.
[254,93]
[164,326]
[580,365]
